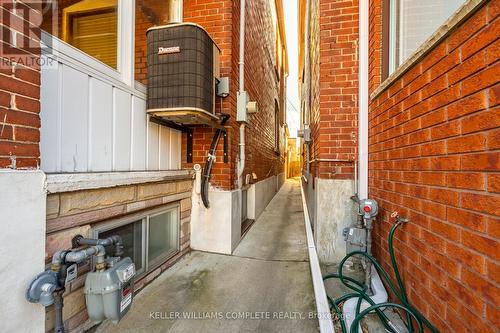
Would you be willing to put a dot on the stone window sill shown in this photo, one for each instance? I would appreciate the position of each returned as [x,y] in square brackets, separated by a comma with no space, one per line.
[70,182]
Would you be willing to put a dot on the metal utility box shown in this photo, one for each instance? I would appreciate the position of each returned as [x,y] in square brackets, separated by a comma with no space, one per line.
[109,293]
[183,65]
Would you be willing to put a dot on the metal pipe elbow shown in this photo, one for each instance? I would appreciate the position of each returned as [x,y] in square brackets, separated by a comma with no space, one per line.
[81,255]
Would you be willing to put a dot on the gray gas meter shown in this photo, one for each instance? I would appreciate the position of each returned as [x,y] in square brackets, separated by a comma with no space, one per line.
[368,208]
[109,293]
[355,239]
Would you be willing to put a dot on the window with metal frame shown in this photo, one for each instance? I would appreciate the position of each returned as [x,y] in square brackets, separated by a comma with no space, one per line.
[149,238]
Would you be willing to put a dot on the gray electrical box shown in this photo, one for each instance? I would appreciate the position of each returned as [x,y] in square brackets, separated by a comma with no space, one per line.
[241,107]
[305,134]
[355,239]
[109,293]
[223,87]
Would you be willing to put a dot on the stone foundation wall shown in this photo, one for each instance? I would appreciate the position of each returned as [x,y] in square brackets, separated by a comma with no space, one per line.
[73,213]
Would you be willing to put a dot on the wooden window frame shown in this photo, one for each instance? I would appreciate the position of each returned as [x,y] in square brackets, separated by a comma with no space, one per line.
[125,71]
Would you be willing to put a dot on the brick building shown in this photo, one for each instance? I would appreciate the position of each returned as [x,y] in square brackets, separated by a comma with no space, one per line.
[265,75]
[427,74]
[74,129]
[329,108]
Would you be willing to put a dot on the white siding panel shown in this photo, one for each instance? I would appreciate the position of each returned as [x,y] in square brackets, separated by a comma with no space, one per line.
[74,116]
[175,149]
[92,121]
[164,148]
[101,125]
[138,134]
[122,130]
[49,113]
[153,146]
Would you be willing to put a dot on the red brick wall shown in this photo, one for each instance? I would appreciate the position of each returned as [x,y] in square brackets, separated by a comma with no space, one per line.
[221,20]
[434,157]
[19,87]
[217,18]
[148,13]
[334,124]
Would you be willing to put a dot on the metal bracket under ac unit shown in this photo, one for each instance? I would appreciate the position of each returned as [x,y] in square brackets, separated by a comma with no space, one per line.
[189,133]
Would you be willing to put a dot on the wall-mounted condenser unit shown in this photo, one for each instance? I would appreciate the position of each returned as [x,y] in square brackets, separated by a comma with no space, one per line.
[183,66]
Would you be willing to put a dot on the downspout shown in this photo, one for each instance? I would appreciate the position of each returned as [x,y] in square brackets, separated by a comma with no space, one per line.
[377,287]
[175,11]
[242,159]
[363,100]
[307,80]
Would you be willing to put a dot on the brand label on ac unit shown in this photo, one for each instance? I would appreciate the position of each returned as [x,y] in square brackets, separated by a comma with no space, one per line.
[169,50]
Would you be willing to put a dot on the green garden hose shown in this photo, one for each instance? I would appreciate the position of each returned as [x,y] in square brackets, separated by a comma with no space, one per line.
[412,314]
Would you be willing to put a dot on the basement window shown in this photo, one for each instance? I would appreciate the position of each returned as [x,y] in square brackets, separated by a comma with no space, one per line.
[149,238]
[411,23]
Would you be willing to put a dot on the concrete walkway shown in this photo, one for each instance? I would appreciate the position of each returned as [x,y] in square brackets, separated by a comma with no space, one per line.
[264,287]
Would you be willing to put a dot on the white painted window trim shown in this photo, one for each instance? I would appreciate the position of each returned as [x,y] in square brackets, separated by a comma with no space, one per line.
[126,41]
[123,77]
[467,9]
[70,182]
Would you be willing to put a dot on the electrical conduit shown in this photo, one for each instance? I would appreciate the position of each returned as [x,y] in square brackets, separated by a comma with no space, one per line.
[207,170]
[242,158]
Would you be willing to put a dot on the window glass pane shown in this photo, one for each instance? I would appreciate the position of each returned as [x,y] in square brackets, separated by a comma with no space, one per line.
[89,25]
[163,235]
[412,22]
[131,235]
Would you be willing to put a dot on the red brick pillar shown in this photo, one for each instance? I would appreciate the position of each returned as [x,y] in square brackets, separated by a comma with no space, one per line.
[20,84]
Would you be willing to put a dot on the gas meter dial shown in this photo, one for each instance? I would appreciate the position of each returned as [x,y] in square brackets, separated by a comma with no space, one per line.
[368,208]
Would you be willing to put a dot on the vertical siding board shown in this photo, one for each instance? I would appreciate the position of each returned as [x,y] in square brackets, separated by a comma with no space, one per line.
[153,147]
[164,148]
[122,132]
[113,129]
[101,125]
[49,112]
[139,134]
[74,114]
[175,150]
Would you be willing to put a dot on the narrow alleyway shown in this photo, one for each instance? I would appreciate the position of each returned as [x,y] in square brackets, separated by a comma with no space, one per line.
[267,280]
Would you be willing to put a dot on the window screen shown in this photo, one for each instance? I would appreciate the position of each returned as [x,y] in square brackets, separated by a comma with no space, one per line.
[412,22]
[95,33]
[89,25]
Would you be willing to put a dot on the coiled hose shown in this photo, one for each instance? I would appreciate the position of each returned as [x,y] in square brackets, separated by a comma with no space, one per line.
[412,314]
